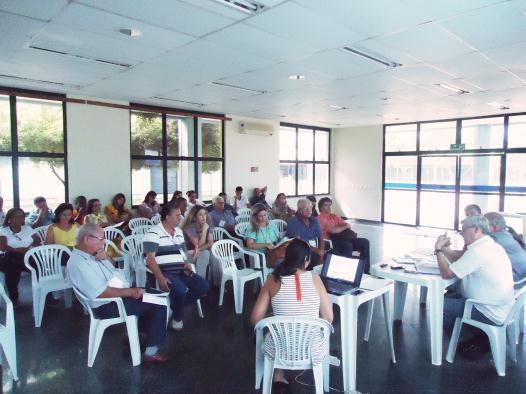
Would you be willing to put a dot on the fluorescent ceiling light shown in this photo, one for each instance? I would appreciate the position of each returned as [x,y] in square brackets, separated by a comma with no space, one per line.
[296,76]
[248,7]
[453,88]
[39,81]
[237,87]
[387,63]
[498,106]
[82,57]
[338,107]
[130,32]
[179,101]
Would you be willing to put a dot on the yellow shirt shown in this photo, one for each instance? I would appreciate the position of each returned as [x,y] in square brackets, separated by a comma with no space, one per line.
[66,238]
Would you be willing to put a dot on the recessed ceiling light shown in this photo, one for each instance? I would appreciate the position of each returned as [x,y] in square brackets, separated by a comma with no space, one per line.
[498,106]
[386,99]
[452,88]
[376,59]
[225,85]
[246,6]
[130,32]
[338,107]
[296,76]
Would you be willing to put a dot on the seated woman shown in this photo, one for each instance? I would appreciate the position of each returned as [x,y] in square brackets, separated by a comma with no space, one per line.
[262,235]
[198,236]
[344,240]
[16,239]
[94,215]
[117,212]
[80,205]
[294,291]
[176,195]
[281,209]
[149,207]
[64,230]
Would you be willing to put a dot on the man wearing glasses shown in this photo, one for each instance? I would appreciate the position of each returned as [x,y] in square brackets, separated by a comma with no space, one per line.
[92,274]
[485,274]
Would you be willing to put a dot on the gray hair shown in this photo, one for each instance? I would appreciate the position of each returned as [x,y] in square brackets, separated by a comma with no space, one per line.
[86,230]
[478,221]
[496,219]
[303,202]
[218,199]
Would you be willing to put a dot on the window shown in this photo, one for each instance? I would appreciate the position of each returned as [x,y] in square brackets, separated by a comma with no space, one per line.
[36,164]
[304,160]
[175,152]
[429,178]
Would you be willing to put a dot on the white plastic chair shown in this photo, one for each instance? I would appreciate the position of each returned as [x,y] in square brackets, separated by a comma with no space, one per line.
[242,219]
[497,334]
[41,232]
[8,336]
[141,230]
[98,326]
[156,219]
[48,276]
[113,233]
[219,233]
[280,224]
[224,251]
[240,229]
[244,212]
[519,323]
[293,341]
[135,222]
[123,263]
[133,251]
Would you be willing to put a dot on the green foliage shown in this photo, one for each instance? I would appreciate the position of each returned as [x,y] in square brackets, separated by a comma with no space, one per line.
[211,146]
[146,134]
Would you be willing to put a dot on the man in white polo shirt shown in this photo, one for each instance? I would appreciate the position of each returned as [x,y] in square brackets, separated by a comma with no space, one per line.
[485,274]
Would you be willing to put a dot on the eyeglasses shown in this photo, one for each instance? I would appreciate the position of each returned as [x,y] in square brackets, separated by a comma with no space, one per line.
[94,236]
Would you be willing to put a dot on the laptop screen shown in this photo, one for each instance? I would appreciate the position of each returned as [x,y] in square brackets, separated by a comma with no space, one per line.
[342,268]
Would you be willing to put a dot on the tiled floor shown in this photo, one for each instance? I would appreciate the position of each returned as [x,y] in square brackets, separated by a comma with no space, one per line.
[216,354]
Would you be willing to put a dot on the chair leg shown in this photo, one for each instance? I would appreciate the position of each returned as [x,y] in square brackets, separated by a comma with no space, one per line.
[497,342]
[95,337]
[133,336]
[326,374]
[41,306]
[222,290]
[388,323]
[451,350]
[511,339]
[423,295]
[370,306]
[199,309]
[268,372]
[9,348]
[317,370]
[239,288]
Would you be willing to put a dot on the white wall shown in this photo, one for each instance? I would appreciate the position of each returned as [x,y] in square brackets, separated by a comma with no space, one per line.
[98,151]
[244,151]
[356,171]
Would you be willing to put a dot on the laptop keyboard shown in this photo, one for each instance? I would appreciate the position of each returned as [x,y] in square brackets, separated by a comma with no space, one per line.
[338,287]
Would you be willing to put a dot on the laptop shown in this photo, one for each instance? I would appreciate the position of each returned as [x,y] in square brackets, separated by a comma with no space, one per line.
[341,275]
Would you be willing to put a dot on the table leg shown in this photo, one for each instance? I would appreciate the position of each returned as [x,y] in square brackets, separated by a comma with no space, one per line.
[349,318]
[400,292]
[388,323]
[369,322]
[436,310]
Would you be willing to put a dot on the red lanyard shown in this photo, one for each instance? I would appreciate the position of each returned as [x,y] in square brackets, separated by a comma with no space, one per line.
[298,287]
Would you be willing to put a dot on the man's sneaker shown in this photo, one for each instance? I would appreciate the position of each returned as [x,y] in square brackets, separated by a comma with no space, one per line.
[177,325]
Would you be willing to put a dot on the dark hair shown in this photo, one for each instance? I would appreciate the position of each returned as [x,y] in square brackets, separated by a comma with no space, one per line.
[38,200]
[178,201]
[311,198]
[222,194]
[322,201]
[473,207]
[61,208]
[10,213]
[80,199]
[190,192]
[174,196]
[516,237]
[114,202]
[151,193]
[296,255]
[167,209]
[239,189]
[90,205]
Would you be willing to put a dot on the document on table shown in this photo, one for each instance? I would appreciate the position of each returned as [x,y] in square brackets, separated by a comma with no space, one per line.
[154,299]
[427,267]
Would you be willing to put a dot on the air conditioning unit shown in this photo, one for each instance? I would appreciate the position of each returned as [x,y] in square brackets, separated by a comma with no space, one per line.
[252,128]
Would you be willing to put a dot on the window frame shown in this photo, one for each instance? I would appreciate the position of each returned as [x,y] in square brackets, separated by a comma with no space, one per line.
[313,162]
[15,154]
[504,151]
[165,158]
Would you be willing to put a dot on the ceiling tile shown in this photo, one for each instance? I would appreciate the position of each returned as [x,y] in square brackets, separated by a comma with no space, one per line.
[421,73]
[435,10]
[16,32]
[502,80]
[513,56]
[34,9]
[471,64]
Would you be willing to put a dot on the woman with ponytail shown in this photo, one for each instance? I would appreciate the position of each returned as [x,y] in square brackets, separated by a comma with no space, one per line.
[293,291]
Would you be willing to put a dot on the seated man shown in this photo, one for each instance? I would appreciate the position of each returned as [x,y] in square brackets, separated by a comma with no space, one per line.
[485,274]
[307,228]
[164,248]
[511,242]
[239,200]
[91,273]
[42,216]
[192,199]
[228,207]
[259,197]
[344,240]
[221,217]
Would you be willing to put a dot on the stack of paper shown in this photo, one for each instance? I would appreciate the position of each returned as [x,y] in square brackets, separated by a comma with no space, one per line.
[427,267]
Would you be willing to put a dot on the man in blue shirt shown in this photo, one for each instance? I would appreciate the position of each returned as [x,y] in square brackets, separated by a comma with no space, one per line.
[221,217]
[42,216]
[307,228]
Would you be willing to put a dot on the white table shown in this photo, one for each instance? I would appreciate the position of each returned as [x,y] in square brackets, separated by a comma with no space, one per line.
[435,285]
[349,317]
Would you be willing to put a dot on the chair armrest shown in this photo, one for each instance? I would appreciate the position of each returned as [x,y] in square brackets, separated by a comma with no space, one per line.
[236,240]
[468,307]
[256,255]
[329,242]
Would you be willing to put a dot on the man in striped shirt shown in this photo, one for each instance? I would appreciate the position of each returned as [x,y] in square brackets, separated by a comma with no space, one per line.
[165,252]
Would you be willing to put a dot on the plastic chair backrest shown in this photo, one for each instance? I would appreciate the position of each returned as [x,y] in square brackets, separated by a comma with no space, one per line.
[108,243]
[219,233]
[113,232]
[135,222]
[280,224]
[48,261]
[41,232]
[141,230]
[242,219]
[156,219]
[293,337]
[223,251]
[244,212]
[241,228]
[84,302]
[520,298]
[9,316]
[132,245]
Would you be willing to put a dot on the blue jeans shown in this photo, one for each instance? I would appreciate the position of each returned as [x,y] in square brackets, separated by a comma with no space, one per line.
[453,308]
[185,290]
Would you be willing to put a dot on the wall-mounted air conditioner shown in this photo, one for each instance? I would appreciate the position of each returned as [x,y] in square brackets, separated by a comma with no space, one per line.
[252,128]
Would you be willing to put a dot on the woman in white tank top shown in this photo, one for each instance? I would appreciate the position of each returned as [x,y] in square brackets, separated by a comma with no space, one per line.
[293,291]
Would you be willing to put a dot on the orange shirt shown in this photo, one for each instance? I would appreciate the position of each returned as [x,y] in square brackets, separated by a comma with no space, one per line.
[329,220]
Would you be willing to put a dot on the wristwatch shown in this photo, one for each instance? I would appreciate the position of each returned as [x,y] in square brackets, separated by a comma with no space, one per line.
[437,251]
